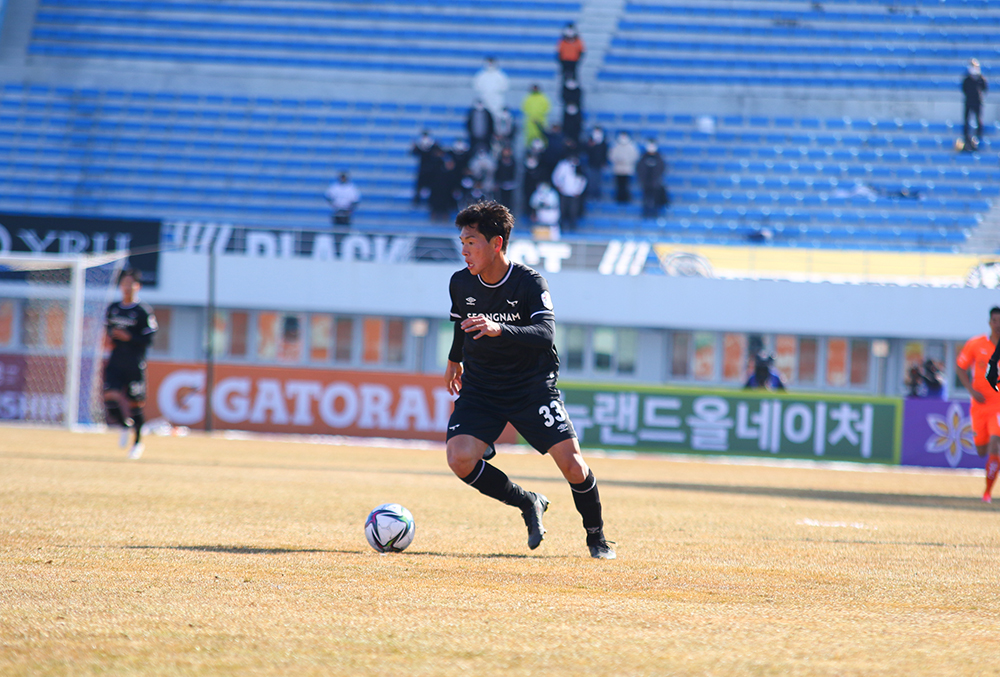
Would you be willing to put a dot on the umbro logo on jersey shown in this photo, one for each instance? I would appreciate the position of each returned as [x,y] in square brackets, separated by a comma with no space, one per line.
[512,303]
[453,427]
[469,301]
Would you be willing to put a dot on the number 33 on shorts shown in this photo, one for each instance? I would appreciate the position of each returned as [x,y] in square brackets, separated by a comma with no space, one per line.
[552,413]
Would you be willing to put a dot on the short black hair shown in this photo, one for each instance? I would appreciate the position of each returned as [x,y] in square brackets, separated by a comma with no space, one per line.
[994,309]
[490,218]
[129,272]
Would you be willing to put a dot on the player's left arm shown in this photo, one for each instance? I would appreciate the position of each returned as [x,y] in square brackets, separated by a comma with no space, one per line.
[540,331]
[142,333]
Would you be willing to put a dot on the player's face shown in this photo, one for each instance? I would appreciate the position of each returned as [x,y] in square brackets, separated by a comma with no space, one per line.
[478,252]
[995,323]
[129,287]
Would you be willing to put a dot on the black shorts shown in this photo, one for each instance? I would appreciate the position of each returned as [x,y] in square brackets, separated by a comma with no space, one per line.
[541,420]
[129,380]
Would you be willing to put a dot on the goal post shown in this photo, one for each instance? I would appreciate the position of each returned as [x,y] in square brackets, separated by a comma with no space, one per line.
[52,336]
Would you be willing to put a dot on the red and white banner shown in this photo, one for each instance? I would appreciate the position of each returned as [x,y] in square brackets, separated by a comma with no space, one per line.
[303,401]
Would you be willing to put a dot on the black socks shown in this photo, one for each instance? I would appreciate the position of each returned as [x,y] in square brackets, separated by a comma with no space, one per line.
[588,503]
[493,482]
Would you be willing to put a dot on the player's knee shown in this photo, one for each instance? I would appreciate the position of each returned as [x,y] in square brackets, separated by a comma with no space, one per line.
[462,457]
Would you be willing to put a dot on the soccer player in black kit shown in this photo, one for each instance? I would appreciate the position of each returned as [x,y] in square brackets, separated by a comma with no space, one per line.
[130,326]
[503,366]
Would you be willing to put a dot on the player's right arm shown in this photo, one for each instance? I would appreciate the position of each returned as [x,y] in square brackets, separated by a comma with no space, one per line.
[453,372]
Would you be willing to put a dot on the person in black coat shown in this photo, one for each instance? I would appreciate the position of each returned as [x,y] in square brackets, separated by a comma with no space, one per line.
[445,185]
[650,171]
[534,174]
[505,177]
[479,124]
[424,149]
[974,89]
[595,150]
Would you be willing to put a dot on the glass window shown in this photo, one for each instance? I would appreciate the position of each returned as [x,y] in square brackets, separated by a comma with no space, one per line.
[161,339]
[279,336]
[445,337]
[7,311]
[628,350]
[371,349]
[860,353]
[239,326]
[704,356]
[836,362]
[320,338]
[395,341]
[604,348]
[576,339]
[680,349]
[785,357]
[220,333]
[344,334]
[808,358]
[734,357]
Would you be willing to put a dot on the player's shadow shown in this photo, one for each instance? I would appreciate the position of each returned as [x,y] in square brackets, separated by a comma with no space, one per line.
[237,549]
[903,500]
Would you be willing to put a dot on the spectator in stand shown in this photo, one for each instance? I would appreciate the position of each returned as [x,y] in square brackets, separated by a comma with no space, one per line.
[506,178]
[650,171]
[343,197]
[555,150]
[596,152]
[545,206]
[424,149]
[570,51]
[491,85]
[535,108]
[479,124]
[974,89]
[445,187]
[623,155]
[572,126]
[483,168]
[504,130]
[764,375]
[534,174]
[462,155]
[569,180]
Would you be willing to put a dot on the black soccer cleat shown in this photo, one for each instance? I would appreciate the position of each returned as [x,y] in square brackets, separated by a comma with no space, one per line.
[533,519]
[991,374]
[600,547]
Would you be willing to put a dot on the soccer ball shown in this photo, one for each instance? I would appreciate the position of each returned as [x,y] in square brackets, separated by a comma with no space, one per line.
[389,528]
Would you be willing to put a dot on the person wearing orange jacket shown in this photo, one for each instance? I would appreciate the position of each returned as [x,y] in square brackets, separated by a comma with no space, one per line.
[570,51]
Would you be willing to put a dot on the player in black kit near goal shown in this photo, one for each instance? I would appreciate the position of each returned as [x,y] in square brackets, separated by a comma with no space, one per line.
[503,366]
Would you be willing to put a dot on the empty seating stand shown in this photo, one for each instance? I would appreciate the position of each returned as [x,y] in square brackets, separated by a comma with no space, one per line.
[262,160]
[913,45]
[436,37]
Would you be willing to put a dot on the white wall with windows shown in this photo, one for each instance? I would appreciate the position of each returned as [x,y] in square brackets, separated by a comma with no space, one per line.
[649,329]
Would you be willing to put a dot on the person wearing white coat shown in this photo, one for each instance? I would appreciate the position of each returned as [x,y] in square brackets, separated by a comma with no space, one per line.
[623,156]
[491,85]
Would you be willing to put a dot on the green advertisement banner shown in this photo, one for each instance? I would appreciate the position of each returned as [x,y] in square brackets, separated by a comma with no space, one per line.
[741,423]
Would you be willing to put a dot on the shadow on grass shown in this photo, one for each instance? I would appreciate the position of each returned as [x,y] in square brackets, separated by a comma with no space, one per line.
[251,550]
[903,500]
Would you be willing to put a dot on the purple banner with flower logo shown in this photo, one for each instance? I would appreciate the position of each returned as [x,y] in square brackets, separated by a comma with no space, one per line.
[938,434]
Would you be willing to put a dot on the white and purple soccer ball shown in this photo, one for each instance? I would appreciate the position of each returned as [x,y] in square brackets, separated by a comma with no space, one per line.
[390,528]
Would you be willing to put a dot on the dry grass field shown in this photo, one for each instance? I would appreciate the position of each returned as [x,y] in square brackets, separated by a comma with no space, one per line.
[214,556]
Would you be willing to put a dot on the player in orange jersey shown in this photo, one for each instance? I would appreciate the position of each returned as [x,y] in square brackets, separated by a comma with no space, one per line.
[976,355]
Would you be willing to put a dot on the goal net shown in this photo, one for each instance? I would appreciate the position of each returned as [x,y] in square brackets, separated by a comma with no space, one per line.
[52,336]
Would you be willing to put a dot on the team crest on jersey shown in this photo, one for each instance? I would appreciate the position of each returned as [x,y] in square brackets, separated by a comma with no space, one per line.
[469,301]
[546,300]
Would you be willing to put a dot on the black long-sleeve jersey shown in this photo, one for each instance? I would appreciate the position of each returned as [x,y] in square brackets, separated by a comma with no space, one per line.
[523,357]
[138,320]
